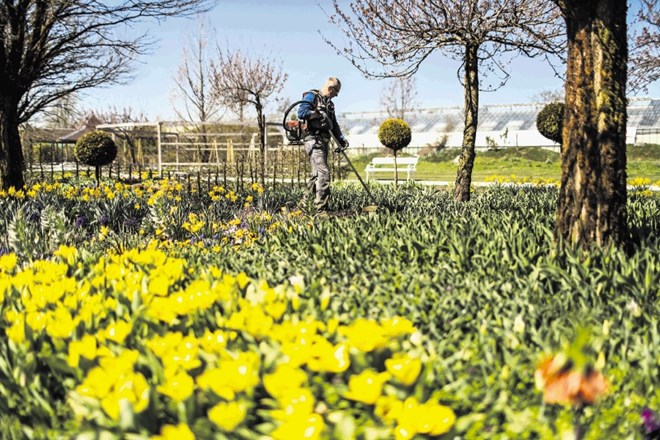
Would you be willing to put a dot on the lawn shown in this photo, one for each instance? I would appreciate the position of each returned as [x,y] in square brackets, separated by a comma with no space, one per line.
[522,163]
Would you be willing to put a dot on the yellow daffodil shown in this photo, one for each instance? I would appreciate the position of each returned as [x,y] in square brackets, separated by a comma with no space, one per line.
[162,309]
[177,387]
[388,408]
[228,415]
[16,332]
[429,418]
[402,432]
[284,379]
[364,334]
[366,387]
[159,285]
[129,389]
[97,383]
[183,355]
[397,326]
[85,347]
[307,427]
[8,263]
[326,357]
[171,432]
[36,320]
[440,418]
[160,345]
[294,403]
[232,376]
[404,368]
[215,342]
[242,280]
[60,323]
[117,331]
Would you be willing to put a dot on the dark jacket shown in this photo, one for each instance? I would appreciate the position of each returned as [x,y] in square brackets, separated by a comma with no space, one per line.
[313,100]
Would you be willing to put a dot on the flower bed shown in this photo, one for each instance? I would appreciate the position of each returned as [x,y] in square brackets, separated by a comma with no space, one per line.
[221,313]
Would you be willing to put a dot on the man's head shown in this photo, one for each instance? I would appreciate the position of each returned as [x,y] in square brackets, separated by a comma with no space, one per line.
[331,87]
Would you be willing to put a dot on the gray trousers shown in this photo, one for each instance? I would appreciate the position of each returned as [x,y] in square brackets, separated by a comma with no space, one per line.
[316,148]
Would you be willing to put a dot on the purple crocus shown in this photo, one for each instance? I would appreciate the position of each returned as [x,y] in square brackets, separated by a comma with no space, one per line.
[651,424]
[81,221]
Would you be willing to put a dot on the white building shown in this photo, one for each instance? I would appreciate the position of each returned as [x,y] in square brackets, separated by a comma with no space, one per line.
[499,126]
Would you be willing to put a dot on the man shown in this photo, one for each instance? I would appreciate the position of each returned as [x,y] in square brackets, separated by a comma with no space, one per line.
[318,110]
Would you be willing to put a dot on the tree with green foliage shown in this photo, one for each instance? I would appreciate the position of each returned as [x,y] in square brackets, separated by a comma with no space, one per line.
[95,149]
[550,121]
[395,134]
[592,196]
[52,49]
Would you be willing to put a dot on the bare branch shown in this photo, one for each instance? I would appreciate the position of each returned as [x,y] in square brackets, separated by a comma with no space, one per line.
[50,49]
[644,52]
[399,97]
[240,79]
[194,85]
[391,38]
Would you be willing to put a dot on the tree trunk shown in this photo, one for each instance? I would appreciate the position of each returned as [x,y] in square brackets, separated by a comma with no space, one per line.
[262,140]
[11,151]
[466,161]
[396,172]
[592,197]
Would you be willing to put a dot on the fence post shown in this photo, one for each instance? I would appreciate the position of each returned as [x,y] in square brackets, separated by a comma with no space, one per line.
[160,149]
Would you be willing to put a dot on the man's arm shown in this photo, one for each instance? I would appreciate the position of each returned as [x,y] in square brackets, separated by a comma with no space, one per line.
[336,131]
[306,109]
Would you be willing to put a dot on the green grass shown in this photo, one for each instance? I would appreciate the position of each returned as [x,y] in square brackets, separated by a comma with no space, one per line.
[528,162]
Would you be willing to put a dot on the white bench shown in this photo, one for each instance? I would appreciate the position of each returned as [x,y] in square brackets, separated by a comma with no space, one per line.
[407,165]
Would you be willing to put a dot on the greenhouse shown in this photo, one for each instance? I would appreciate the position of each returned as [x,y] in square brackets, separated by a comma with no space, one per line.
[500,126]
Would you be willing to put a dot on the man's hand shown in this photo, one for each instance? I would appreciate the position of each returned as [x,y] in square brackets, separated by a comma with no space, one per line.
[343,145]
[324,119]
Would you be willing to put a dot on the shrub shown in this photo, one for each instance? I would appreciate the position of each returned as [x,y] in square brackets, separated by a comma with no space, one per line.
[95,149]
[550,121]
[395,134]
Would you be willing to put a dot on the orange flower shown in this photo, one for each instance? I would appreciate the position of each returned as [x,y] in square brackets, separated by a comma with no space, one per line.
[561,384]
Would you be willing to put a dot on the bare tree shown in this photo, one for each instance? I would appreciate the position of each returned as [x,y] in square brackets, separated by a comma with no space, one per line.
[546,96]
[193,82]
[241,80]
[592,196]
[194,87]
[398,35]
[50,49]
[645,48]
[63,113]
[399,97]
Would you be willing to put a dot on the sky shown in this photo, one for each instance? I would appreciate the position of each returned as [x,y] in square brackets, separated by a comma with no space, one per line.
[290,30]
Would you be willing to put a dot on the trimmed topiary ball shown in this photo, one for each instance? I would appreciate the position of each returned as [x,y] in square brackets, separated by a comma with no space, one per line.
[550,121]
[395,134]
[95,149]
